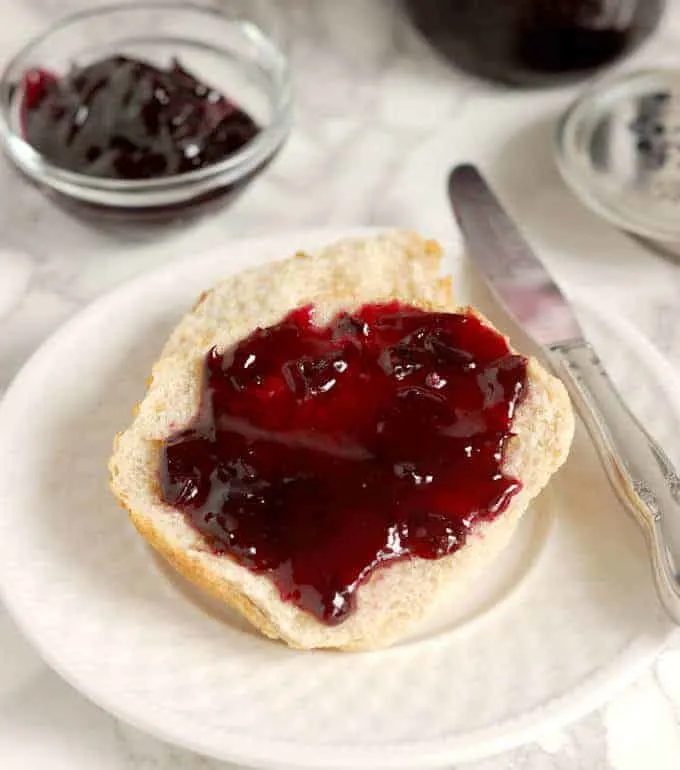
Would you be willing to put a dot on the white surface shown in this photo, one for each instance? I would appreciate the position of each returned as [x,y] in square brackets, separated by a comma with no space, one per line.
[105,615]
[379,119]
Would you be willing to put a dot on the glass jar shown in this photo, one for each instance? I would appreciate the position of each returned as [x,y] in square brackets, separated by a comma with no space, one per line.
[534,42]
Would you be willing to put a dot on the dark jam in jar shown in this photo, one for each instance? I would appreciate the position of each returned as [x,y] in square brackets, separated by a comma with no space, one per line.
[122,118]
[534,42]
[321,452]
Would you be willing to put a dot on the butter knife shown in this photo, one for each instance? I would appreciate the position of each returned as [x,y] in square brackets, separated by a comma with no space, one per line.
[639,471]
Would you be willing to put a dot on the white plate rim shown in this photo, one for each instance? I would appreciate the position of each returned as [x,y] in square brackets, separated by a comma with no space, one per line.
[591,694]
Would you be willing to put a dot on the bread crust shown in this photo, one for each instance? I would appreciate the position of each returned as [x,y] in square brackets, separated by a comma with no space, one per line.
[397,595]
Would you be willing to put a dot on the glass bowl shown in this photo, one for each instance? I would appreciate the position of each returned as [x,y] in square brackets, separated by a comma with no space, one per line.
[221,48]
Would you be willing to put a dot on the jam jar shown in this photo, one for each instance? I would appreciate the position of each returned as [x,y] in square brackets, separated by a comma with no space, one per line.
[534,42]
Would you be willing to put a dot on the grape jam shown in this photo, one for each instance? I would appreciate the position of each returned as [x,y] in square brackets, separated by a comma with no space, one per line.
[123,118]
[321,452]
[535,42]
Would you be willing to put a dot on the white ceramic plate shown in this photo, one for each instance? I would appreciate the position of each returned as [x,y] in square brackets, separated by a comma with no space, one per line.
[567,615]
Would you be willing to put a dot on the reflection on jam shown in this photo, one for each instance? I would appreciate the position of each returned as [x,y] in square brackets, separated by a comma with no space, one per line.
[321,452]
[120,118]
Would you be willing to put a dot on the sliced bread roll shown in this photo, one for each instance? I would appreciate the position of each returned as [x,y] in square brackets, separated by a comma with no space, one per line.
[394,266]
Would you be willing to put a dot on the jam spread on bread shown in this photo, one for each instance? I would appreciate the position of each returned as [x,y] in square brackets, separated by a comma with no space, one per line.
[123,118]
[321,452]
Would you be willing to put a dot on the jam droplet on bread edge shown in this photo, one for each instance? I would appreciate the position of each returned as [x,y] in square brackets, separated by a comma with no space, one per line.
[321,452]
[124,118]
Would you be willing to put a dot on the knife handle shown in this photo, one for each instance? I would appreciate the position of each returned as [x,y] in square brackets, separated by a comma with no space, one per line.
[638,469]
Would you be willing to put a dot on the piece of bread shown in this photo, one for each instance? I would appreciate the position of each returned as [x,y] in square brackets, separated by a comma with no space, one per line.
[346,275]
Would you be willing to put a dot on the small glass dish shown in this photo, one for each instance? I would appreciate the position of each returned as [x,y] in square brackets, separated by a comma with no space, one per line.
[218,46]
[618,148]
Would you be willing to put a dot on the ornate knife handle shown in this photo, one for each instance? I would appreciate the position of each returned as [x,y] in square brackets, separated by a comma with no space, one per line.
[638,469]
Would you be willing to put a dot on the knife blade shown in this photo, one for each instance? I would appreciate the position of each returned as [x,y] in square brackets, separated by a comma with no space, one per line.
[515,275]
[637,468]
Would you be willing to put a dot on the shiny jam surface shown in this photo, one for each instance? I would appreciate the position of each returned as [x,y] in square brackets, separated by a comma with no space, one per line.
[321,452]
[123,118]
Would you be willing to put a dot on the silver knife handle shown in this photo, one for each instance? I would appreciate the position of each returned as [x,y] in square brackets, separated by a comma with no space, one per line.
[638,469]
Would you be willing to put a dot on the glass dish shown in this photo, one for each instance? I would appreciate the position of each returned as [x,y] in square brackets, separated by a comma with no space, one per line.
[618,148]
[219,46]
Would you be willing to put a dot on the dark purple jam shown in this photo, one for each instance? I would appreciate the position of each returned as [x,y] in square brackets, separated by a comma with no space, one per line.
[535,42]
[121,118]
[320,453]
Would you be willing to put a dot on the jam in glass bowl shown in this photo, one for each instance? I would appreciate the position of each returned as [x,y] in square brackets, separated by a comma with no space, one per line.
[149,110]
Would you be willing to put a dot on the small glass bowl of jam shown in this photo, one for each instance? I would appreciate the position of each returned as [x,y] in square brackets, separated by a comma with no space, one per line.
[146,110]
